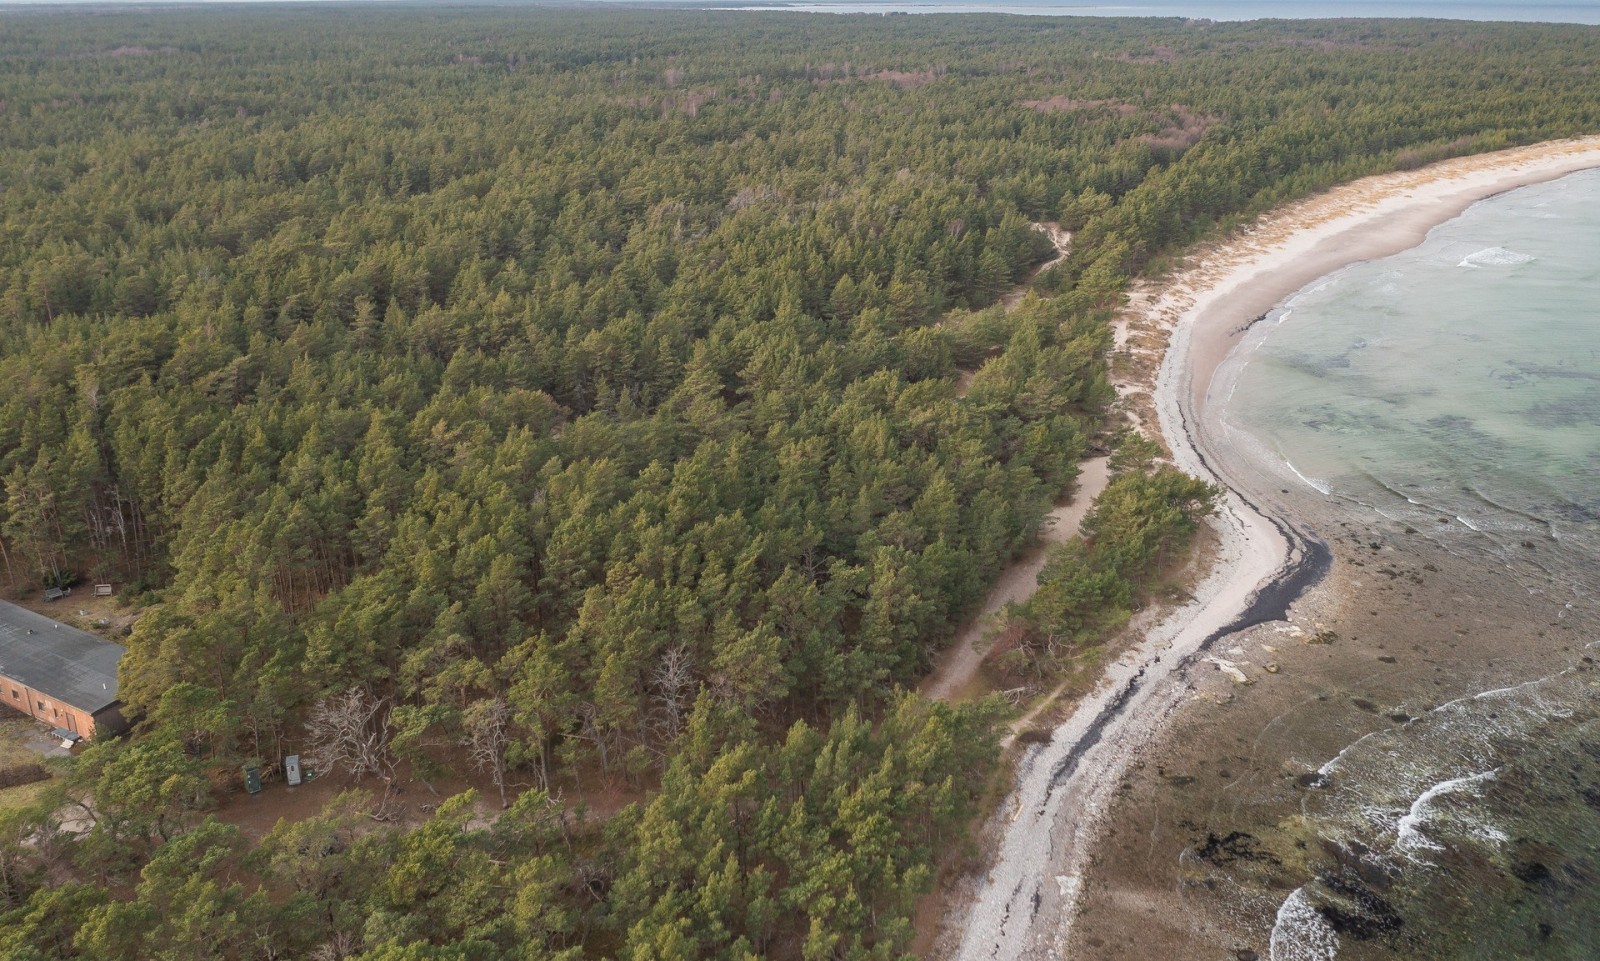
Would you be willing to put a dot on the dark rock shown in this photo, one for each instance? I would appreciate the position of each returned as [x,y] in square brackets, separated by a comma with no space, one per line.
[1235,846]
[1360,913]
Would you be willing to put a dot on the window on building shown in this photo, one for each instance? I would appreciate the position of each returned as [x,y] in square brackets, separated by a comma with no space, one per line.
[41,705]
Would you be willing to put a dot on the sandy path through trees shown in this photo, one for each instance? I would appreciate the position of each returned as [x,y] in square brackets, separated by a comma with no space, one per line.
[1062,240]
[957,667]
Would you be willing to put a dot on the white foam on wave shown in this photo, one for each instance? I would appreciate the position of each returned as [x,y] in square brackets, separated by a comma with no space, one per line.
[1318,486]
[1469,523]
[1409,838]
[1497,692]
[1330,765]
[1382,791]
[1494,257]
[1299,933]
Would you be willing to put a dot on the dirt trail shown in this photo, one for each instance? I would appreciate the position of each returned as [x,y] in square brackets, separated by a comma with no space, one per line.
[1063,243]
[957,668]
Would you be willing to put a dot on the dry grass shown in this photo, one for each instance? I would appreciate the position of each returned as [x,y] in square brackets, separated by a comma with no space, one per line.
[23,795]
[15,733]
[105,616]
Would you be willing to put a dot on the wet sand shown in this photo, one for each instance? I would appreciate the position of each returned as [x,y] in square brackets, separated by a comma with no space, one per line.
[1088,860]
[1203,840]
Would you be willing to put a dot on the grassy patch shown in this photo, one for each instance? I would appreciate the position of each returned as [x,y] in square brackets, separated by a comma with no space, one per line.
[24,795]
[14,753]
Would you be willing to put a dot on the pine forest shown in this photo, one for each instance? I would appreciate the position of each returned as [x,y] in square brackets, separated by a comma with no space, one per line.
[579,431]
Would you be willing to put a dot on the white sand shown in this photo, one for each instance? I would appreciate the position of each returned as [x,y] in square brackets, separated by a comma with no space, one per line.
[1025,907]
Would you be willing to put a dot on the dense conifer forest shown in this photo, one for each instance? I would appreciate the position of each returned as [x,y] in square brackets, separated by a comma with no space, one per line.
[616,401]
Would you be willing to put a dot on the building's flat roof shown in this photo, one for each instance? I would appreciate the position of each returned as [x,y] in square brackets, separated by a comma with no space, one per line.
[60,662]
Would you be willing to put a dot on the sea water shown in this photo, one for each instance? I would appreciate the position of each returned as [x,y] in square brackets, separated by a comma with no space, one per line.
[1455,389]
[1572,11]
[1455,386]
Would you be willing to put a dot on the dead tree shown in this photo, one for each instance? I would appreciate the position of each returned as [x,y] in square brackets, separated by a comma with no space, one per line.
[487,738]
[353,731]
[590,730]
[674,681]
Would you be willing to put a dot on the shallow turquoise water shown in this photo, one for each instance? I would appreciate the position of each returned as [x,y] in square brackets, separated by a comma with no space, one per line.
[1458,381]
[1455,388]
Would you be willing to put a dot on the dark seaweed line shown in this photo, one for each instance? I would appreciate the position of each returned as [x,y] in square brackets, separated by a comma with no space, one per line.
[1308,562]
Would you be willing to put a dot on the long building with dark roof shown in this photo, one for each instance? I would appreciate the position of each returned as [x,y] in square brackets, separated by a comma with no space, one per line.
[57,673]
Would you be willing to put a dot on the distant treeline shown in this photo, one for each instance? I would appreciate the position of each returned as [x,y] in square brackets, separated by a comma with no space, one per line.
[613,400]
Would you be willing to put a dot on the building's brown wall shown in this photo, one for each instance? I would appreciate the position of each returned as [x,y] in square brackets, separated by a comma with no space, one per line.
[109,720]
[20,697]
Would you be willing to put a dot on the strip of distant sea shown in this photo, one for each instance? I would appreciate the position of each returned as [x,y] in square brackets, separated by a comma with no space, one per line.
[1577,12]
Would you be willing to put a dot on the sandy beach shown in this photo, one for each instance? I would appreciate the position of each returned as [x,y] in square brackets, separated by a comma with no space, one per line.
[1095,845]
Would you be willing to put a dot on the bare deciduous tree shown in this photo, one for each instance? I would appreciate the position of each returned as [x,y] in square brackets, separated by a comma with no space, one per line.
[487,736]
[674,685]
[352,731]
[337,948]
[591,731]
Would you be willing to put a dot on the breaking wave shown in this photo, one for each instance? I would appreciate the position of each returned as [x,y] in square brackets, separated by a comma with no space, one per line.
[1494,257]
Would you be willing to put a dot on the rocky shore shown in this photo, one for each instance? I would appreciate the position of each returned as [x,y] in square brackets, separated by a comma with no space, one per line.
[1207,835]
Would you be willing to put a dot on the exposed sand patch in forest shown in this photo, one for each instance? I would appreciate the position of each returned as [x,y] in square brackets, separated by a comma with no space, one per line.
[1062,240]
[1191,321]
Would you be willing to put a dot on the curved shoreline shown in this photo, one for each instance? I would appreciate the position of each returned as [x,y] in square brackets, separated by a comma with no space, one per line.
[1063,788]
